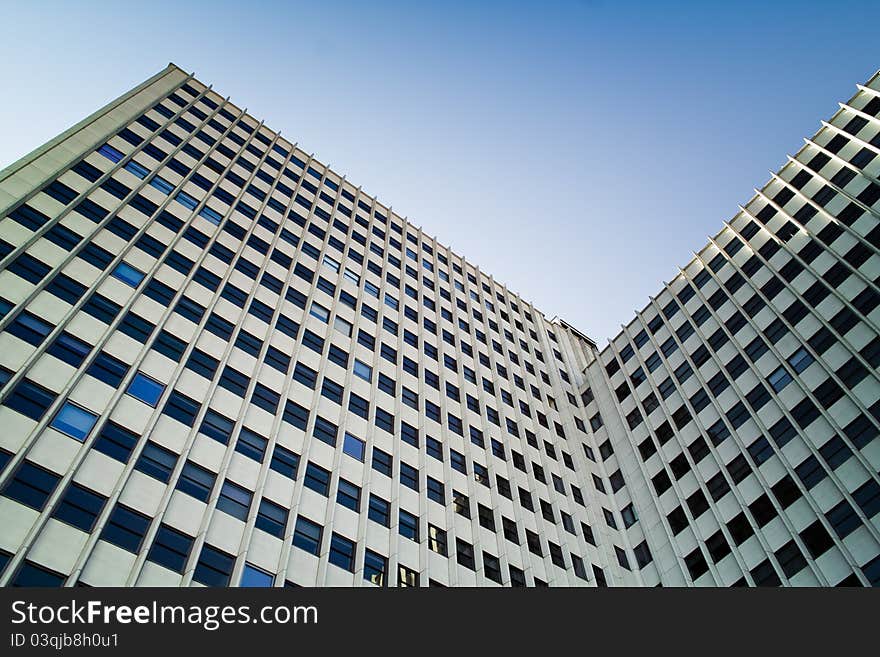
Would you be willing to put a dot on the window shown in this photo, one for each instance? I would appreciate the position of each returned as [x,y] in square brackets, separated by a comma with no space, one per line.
[182,408]
[271,518]
[284,462]
[358,405]
[354,447]
[779,378]
[348,495]
[465,554]
[125,528]
[534,543]
[375,568]
[363,370]
[558,557]
[31,575]
[196,481]
[382,462]
[318,479]
[492,567]
[325,431]
[145,389]
[341,552]
[379,510]
[409,476]
[319,311]
[214,567]
[253,577]
[108,369]
[79,507]
[800,360]
[307,535]
[486,517]
[30,399]
[436,491]
[74,421]
[406,577]
[251,444]
[110,153]
[408,525]
[437,540]
[128,274]
[69,349]
[156,462]
[843,519]
[234,500]
[170,548]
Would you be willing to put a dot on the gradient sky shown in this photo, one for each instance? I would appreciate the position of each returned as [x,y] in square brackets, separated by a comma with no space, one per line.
[579,152]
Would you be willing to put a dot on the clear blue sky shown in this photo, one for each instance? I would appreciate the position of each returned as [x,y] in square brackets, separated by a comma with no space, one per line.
[577,151]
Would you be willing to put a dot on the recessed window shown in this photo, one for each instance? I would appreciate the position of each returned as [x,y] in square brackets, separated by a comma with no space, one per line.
[363,370]
[341,552]
[170,549]
[213,567]
[128,274]
[353,447]
[80,507]
[375,568]
[146,389]
[74,420]
[307,535]
[319,311]
[351,276]
[110,153]
[234,500]
[253,577]
[31,575]
[800,360]
[779,378]
[342,326]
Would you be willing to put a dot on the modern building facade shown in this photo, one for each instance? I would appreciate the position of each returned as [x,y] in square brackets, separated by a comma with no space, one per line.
[224,364]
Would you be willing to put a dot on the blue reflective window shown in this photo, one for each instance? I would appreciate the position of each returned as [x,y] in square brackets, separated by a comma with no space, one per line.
[136,169]
[363,370]
[353,447]
[211,215]
[128,274]
[75,421]
[186,200]
[110,153]
[146,389]
[255,578]
[162,185]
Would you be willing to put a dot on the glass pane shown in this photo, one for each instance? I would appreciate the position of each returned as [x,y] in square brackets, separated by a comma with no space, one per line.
[145,389]
[128,274]
[254,577]
[74,421]
[353,447]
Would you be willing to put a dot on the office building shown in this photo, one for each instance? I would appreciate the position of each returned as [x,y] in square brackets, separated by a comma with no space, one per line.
[223,364]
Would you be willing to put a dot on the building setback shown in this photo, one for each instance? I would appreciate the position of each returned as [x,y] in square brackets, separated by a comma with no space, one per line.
[223,364]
